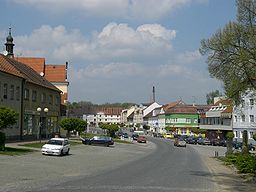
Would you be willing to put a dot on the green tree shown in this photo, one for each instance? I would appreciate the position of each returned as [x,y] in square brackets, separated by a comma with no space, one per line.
[73,124]
[232,51]
[210,96]
[146,127]
[7,117]
[111,128]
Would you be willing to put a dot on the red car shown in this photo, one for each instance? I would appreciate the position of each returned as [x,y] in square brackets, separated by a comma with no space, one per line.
[141,139]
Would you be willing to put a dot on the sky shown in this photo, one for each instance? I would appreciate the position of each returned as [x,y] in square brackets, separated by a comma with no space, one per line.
[118,50]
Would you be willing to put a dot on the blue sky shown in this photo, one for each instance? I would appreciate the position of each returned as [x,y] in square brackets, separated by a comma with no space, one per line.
[118,49]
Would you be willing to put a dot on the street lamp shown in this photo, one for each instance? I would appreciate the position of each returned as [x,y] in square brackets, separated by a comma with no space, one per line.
[39,109]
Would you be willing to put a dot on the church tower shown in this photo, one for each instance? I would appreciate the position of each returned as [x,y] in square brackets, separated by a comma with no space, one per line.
[9,44]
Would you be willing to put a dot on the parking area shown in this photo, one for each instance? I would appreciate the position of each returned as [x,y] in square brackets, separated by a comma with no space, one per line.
[34,169]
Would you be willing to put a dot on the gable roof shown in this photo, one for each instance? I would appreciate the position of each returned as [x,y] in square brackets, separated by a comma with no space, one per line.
[36,63]
[182,108]
[172,104]
[22,70]
[55,73]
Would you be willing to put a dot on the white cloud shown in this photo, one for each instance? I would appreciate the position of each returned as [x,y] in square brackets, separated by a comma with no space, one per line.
[134,9]
[119,57]
[117,42]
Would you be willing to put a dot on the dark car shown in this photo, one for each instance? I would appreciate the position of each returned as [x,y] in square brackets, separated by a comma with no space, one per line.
[203,141]
[125,135]
[135,136]
[191,140]
[237,144]
[99,140]
[219,142]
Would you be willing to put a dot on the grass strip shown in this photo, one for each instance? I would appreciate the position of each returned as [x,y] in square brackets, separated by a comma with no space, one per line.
[11,151]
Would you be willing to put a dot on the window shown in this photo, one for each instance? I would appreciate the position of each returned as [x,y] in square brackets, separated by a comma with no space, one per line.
[43,98]
[17,93]
[251,101]
[57,100]
[250,135]
[242,102]
[12,92]
[34,95]
[236,134]
[235,118]
[251,118]
[243,118]
[26,94]
[50,99]
[5,90]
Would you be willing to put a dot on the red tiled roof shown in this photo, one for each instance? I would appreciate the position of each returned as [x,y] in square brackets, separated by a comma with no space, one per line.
[55,73]
[36,63]
[172,104]
[110,110]
[22,70]
[182,108]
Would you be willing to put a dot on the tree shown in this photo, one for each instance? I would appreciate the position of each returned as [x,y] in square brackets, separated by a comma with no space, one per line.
[210,96]
[111,128]
[146,127]
[232,52]
[7,117]
[230,135]
[245,148]
[73,124]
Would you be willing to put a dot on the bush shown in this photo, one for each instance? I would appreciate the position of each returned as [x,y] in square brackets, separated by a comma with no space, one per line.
[2,141]
[244,163]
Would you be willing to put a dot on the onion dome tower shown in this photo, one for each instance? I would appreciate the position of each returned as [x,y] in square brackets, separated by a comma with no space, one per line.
[9,44]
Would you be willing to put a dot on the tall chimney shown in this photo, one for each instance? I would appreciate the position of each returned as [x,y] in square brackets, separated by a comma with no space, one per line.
[154,96]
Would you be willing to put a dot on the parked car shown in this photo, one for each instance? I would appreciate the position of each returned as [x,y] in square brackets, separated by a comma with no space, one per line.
[179,142]
[203,141]
[56,146]
[219,142]
[98,140]
[141,139]
[191,140]
[135,136]
[251,147]
[237,144]
[168,136]
[125,135]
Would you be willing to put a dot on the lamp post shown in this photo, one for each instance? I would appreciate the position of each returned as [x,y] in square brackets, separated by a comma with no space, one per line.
[39,109]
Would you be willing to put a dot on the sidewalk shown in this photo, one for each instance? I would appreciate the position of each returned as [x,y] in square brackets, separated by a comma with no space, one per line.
[225,177]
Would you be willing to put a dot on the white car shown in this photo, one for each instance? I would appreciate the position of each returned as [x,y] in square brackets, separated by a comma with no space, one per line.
[56,146]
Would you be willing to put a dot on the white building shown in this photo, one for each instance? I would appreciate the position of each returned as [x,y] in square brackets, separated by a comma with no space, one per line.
[133,116]
[244,116]
[150,116]
[103,115]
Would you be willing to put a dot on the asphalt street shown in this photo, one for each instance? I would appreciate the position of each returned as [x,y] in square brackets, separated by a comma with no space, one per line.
[154,166]
[167,168]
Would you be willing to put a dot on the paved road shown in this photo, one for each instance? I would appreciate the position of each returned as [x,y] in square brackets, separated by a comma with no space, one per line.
[166,169]
[155,166]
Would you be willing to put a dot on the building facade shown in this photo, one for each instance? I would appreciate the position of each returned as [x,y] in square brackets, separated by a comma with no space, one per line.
[218,119]
[244,116]
[36,100]
[103,115]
